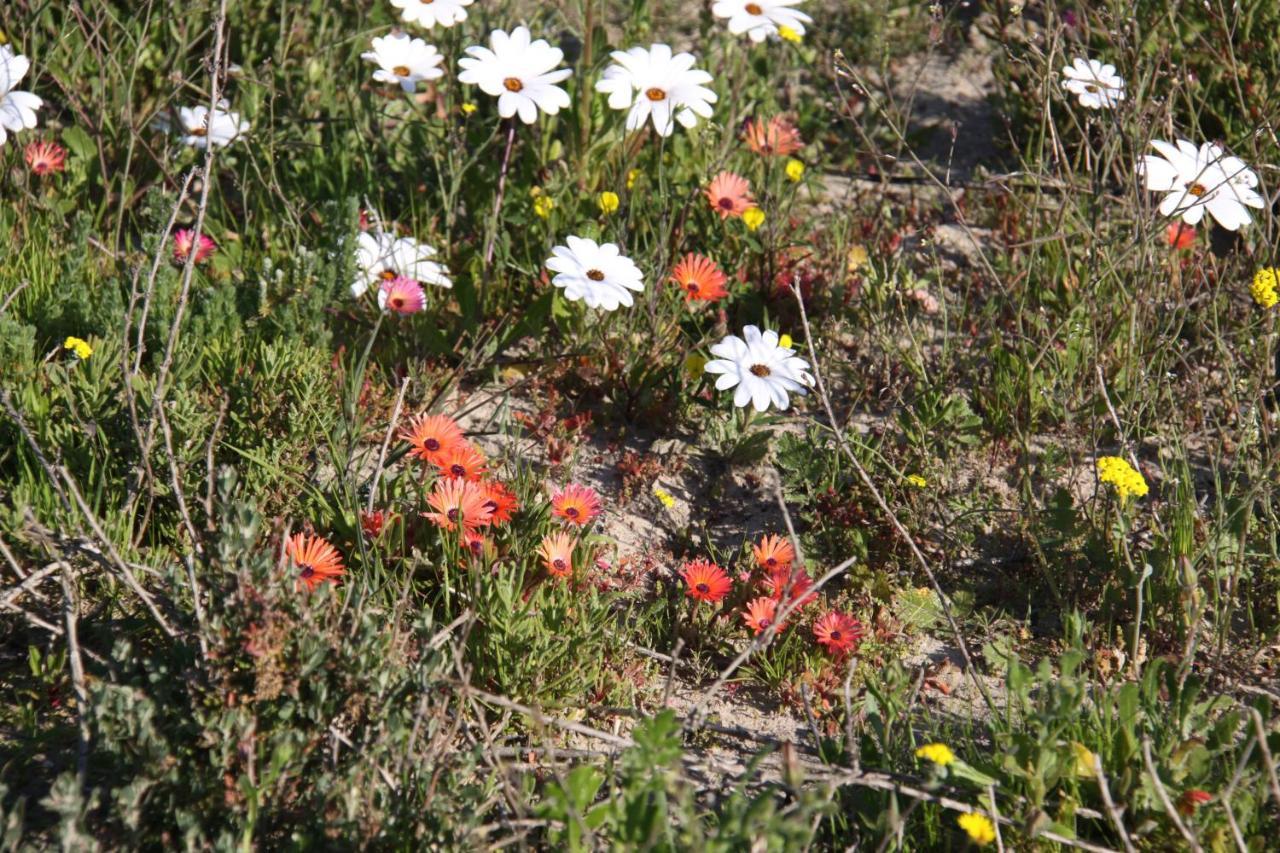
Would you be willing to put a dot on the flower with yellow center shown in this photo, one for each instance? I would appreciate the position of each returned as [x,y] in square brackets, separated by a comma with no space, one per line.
[980,829]
[753,218]
[79,346]
[794,170]
[1123,476]
[1263,289]
[608,202]
[939,753]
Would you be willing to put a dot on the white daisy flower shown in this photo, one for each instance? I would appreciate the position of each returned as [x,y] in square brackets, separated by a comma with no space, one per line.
[404,60]
[1094,84]
[17,109]
[1201,180]
[200,129]
[764,371]
[428,13]
[598,274]
[654,83]
[385,257]
[519,71]
[760,19]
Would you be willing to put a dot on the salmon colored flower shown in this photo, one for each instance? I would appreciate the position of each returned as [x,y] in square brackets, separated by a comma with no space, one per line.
[462,461]
[1180,235]
[45,157]
[477,544]
[794,584]
[776,137]
[576,504]
[431,436]
[556,552]
[729,195]
[184,240]
[500,500]
[401,295]
[316,560]
[458,503]
[760,614]
[1190,800]
[838,632]
[774,552]
[705,581]
[700,278]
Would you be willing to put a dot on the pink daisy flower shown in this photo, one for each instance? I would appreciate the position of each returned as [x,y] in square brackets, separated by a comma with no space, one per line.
[401,295]
[183,240]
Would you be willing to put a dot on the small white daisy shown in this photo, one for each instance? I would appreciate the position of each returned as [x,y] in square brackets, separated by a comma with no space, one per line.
[760,19]
[404,60]
[1096,85]
[764,371]
[520,72]
[17,109]
[428,13]
[598,274]
[652,82]
[382,257]
[1199,181]
[200,129]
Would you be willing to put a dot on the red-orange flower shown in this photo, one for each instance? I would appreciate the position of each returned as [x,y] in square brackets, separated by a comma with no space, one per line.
[1180,235]
[838,632]
[576,504]
[1192,799]
[774,552]
[432,435]
[556,552]
[500,500]
[476,543]
[372,523]
[458,503]
[760,613]
[792,583]
[316,560]
[462,462]
[45,157]
[705,580]
[776,137]
[729,195]
[700,278]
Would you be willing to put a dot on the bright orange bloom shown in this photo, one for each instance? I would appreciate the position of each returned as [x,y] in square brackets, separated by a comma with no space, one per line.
[576,504]
[458,503]
[774,552]
[775,138]
[729,195]
[556,552]
[706,580]
[759,614]
[793,583]
[838,632]
[1190,800]
[462,462]
[700,278]
[501,500]
[316,559]
[432,435]
[476,543]
[1180,235]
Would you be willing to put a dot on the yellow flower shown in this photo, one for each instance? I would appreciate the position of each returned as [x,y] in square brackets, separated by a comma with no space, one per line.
[542,205]
[694,365]
[1084,760]
[856,258]
[795,169]
[979,827]
[631,177]
[1264,285]
[917,481]
[608,202]
[939,753]
[664,497]
[787,34]
[785,341]
[753,217]
[468,108]
[1122,475]
[79,346]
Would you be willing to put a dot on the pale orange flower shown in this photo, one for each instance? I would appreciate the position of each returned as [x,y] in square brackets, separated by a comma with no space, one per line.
[556,552]
[759,614]
[705,581]
[462,462]
[776,137]
[316,560]
[772,552]
[576,504]
[700,278]
[501,500]
[793,584]
[458,503]
[729,195]
[838,632]
[432,435]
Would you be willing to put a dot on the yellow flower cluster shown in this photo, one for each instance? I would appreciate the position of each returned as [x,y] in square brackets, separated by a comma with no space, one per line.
[542,203]
[664,497]
[939,753]
[1263,289]
[979,828]
[79,346]
[1122,475]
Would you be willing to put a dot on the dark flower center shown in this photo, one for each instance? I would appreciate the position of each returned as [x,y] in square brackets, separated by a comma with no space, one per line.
[726,202]
[559,563]
[431,444]
[513,84]
[1197,189]
[835,636]
[307,571]
[400,71]
[595,275]
[703,588]
[571,511]
[752,9]
[764,624]
[770,562]
[388,275]
[656,94]
[760,370]
[453,514]
[458,470]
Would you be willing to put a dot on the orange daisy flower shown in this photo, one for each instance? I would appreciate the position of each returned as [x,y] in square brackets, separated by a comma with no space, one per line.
[432,435]
[774,552]
[759,614]
[45,157]
[462,462]
[576,504]
[706,581]
[501,500]
[458,503]
[316,559]
[838,632]
[476,543]
[556,552]
[729,195]
[792,583]
[700,278]
[776,137]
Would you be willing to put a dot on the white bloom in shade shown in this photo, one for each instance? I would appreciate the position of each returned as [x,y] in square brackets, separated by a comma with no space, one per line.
[385,257]
[404,60]
[1201,180]
[652,82]
[521,72]
[764,371]
[17,109]
[201,129]
[598,274]
[760,19]
[428,13]
[1096,85]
